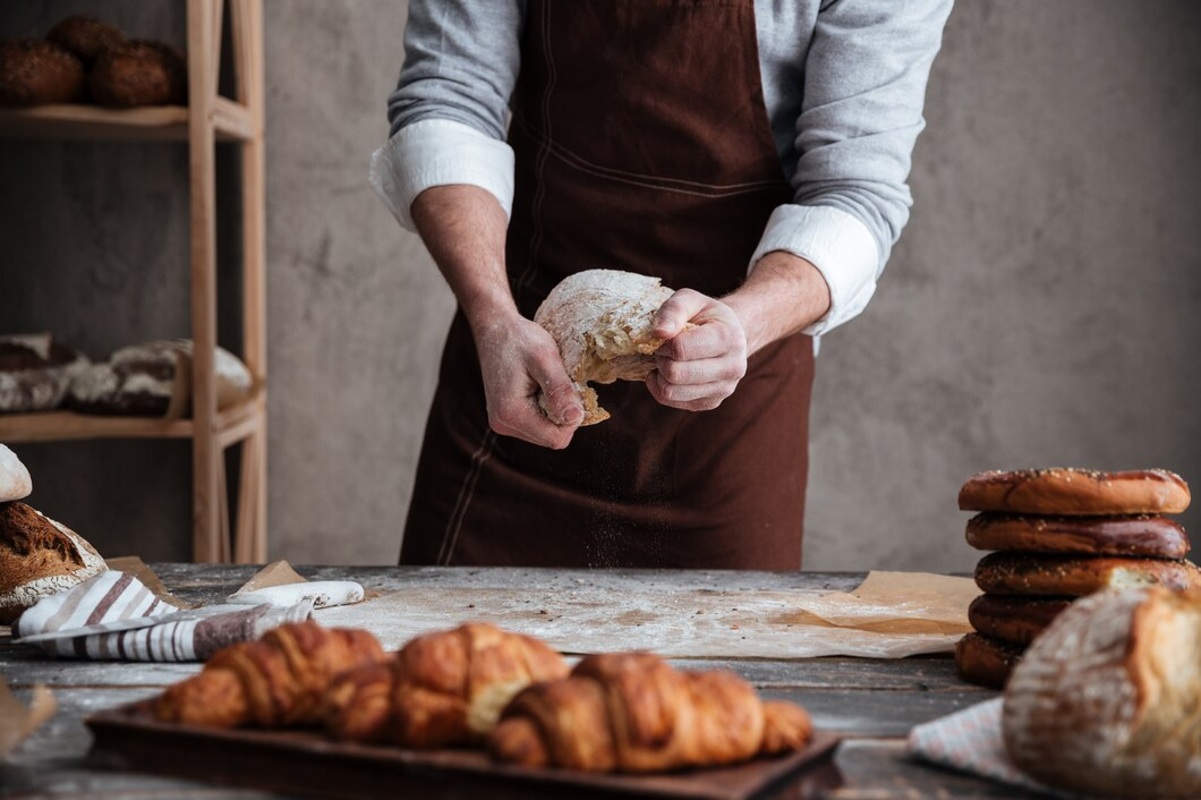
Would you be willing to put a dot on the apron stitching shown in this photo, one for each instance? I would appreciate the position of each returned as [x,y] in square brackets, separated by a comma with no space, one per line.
[531,268]
[450,537]
[648,181]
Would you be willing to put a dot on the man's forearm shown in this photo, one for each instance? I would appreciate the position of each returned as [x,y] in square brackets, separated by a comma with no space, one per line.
[464,227]
[783,294]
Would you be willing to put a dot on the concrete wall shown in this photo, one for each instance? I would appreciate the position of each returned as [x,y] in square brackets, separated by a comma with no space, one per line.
[1038,310]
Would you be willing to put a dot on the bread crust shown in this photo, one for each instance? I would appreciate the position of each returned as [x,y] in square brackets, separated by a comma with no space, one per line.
[1113,689]
[1075,576]
[1012,618]
[986,661]
[39,557]
[35,72]
[85,36]
[140,73]
[1071,491]
[1138,535]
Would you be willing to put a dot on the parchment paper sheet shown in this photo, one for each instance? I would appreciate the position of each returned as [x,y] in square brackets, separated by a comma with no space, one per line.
[889,615]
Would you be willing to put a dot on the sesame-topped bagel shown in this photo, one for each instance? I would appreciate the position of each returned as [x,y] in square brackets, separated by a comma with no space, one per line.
[1070,492]
[1076,576]
[1012,618]
[1136,535]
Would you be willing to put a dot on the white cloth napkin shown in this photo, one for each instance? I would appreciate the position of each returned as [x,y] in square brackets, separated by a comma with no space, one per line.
[970,741]
[118,600]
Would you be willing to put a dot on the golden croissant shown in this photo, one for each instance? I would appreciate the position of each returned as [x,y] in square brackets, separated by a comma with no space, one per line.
[632,712]
[441,689]
[277,681]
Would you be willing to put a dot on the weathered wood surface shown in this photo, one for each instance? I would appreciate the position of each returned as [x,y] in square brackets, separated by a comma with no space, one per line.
[873,702]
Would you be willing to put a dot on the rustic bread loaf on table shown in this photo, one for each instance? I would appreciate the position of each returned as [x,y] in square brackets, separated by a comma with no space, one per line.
[602,320]
[39,557]
[1108,700]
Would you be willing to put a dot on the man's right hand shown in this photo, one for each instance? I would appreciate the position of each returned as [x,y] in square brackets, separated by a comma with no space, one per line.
[520,362]
[464,229]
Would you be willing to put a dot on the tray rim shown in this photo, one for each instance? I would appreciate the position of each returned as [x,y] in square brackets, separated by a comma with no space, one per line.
[113,728]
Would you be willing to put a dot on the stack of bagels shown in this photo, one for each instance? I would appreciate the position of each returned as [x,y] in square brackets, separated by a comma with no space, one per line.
[1056,535]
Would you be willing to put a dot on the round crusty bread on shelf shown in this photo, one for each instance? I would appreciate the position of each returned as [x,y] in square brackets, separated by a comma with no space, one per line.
[1072,491]
[39,557]
[35,372]
[602,321]
[1138,535]
[15,482]
[36,72]
[86,36]
[140,73]
[154,379]
[1107,700]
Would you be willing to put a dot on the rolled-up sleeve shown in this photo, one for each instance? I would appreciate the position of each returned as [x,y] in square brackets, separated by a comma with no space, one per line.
[448,112]
[864,88]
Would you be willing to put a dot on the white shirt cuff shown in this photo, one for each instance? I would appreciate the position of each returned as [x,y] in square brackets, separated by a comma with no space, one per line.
[439,152]
[838,244]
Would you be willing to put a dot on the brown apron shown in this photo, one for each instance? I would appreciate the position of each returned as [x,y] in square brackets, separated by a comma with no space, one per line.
[643,144]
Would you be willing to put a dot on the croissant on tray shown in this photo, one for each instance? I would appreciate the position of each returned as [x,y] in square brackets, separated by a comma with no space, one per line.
[441,689]
[277,681]
[633,712]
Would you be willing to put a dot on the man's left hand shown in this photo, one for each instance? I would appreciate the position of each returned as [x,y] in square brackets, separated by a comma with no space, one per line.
[705,356]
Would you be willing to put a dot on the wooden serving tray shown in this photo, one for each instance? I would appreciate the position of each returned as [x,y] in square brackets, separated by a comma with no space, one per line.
[308,763]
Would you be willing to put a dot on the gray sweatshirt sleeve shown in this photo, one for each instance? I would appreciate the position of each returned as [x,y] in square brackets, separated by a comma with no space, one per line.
[461,64]
[864,89]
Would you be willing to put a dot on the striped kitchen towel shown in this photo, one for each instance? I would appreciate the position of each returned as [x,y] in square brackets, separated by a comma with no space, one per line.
[970,741]
[117,618]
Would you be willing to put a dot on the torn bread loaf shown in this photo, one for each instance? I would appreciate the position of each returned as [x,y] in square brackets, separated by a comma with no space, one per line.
[602,320]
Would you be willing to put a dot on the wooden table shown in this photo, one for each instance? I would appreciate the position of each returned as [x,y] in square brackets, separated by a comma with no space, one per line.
[872,703]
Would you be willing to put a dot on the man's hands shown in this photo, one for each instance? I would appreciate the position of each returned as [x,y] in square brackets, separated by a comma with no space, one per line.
[710,340]
[519,361]
[705,355]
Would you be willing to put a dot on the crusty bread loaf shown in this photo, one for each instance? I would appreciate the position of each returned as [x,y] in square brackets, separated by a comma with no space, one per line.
[35,371]
[35,72]
[1072,491]
[1108,700]
[985,660]
[15,482]
[1075,576]
[602,320]
[85,36]
[140,73]
[1013,618]
[39,557]
[1139,535]
[154,379]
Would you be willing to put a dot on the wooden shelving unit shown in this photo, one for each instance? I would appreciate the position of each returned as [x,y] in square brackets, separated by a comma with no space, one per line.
[208,119]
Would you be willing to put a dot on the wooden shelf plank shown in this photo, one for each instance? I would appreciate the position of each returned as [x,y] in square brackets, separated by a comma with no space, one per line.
[233,122]
[233,424]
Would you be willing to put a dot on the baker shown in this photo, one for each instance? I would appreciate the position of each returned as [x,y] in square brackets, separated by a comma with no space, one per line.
[752,155]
